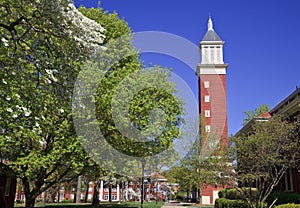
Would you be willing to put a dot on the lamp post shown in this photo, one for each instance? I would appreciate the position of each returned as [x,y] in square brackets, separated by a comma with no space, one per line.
[156,197]
[142,189]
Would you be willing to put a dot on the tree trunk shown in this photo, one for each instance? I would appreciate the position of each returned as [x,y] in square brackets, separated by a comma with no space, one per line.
[187,195]
[95,200]
[86,191]
[78,191]
[200,195]
[110,192]
[29,197]
[58,195]
[75,196]
[29,201]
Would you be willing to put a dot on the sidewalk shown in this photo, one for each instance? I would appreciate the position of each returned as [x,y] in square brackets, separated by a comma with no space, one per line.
[176,205]
[172,205]
[182,205]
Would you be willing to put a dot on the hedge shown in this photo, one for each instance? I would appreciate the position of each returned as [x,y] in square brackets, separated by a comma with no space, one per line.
[228,203]
[284,198]
[232,193]
[288,206]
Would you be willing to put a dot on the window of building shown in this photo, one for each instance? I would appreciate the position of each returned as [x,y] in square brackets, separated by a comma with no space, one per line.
[206,98]
[288,180]
[105,196]
[207,113]
[114,197]
[7,186]
[206,84]
[207,128]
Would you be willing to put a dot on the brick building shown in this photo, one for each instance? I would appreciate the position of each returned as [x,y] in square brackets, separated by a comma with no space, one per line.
[212,97]
[120,191]
[7,188]
[290,108]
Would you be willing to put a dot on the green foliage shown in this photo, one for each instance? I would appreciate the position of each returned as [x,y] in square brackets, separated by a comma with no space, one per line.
[265,154]
[193,172]
[254,113]
[228,203]
[288,206]
[233,193]
[114,26]
[121,71]
[39,62]
[284,198]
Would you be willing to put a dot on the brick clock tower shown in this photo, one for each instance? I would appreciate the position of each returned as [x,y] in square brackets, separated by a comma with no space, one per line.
[212,97]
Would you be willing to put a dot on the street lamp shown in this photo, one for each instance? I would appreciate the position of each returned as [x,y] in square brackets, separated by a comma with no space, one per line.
[142,191]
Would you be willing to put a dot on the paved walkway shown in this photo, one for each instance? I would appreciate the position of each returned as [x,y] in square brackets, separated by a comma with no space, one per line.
[175,205]
[182,205]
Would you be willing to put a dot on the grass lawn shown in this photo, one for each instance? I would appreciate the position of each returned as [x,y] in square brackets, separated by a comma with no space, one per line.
[102,205]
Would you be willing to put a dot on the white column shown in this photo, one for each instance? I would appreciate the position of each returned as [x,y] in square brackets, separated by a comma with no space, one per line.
[118,192]
[126,190]
[101,191]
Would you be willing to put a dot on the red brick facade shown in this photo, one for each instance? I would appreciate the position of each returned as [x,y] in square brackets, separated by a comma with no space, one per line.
[7,191]
[216,105]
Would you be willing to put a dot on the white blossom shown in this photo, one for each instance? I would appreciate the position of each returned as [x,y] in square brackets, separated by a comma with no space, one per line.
[8,98]
[61,110]
[27,113]
[15,116]
[24,108]
[53,78]
[4,41]
[49,71]
[88,32]
[37,124]
[9,110]
[42,142]
[4,82]
[49,81]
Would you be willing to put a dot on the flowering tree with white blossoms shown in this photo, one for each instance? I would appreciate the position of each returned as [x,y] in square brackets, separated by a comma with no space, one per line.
[42,44]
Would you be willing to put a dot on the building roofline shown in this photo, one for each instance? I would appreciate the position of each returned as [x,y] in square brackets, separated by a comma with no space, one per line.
[286,101]
[274,110]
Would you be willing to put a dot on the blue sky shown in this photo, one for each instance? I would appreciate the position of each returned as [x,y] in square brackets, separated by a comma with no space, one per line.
[262,43]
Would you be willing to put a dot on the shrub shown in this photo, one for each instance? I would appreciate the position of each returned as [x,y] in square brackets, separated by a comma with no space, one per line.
[19,201]
[232,193]
[66,201]
[228,203]
[288,206]
[284,198]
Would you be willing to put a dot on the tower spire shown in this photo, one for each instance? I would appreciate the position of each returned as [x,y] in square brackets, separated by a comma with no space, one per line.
[210,24]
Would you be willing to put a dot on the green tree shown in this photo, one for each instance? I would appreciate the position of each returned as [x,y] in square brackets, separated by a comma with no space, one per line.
[207,163]
[254,113]
[264,155]
[41,50]
[120,71]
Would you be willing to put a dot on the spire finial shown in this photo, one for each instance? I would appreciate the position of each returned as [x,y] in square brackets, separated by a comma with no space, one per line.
[210,24]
